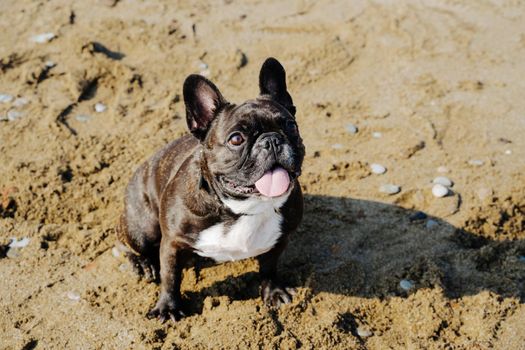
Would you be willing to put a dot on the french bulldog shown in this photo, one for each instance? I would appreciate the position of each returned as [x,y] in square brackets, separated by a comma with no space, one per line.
[227,191]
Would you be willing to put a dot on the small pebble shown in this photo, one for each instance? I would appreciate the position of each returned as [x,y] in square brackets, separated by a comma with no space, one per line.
[5,98]
[100,107]
[73,296]
[123,267]
[443,180]
[82,118]
[377,168]
[430,224]
[418,215]
[13,114]
[442,169]
[15,243]
[476,162]
[50,64]
[438,190]
[508,152]
[377,135]
[406,284]
[351,128]
[363,332]
[337,146]
[43,38]
[116,252]
[389,189]
[19,102]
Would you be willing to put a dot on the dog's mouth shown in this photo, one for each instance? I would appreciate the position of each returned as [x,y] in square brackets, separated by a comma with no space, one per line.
[273,183]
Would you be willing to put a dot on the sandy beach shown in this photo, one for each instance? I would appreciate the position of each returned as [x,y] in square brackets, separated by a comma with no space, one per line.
[423,89]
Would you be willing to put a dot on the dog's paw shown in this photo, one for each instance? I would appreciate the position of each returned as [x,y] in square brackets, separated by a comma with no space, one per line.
[166,309]
[143,267]
[273,295]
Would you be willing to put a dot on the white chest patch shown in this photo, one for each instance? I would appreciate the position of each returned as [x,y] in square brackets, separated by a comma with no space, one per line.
[252,234]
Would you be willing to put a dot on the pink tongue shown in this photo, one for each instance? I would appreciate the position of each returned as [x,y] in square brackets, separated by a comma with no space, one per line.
[273,183]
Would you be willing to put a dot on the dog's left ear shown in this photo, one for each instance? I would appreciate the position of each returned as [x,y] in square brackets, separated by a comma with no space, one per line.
[272,81]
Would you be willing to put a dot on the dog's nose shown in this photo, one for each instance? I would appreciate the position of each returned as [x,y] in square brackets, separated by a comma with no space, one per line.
[271,140]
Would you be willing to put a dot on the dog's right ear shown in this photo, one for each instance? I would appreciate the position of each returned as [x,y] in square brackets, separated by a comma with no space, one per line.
[203,100]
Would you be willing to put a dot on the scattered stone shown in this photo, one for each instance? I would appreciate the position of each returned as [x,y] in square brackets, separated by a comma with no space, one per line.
[443,180]
[351,128]
[389,189]
[14,114]
[123,267]
[15,243]
[442,169]
[508,151]
[116,252]
[418,215]
[430,224]
[377,168]
[337,146]
[83,118]
[363,332]
[21,101]
[406,284]
[100,107]
[43,38]
[484,193]
[438,190]
[476,162]
[5,98]
[73,296]
[377,135]
[50,64]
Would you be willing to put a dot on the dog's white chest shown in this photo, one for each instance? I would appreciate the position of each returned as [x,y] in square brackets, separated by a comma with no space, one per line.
[250,235]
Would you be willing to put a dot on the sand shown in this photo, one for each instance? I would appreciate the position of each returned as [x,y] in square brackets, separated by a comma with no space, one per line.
[441,81]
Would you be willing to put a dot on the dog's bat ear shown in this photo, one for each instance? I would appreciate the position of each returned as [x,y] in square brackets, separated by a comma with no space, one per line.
[203,100]
[272,81]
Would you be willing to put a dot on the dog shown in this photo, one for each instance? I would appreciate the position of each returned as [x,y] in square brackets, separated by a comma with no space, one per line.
[228,191]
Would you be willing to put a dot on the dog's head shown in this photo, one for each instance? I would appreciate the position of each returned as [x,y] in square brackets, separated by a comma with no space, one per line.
[251,149]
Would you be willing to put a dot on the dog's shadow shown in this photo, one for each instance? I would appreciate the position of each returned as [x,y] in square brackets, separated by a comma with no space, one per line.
[365,248]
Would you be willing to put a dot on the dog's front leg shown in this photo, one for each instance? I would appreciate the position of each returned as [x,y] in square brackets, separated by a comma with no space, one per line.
[169,303]
[272,292]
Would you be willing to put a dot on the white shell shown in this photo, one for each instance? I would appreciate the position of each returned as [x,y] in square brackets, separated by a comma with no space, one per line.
[351,128]
[406,284]
[13,114]
[430,224]
[389,189]
[443,180]
[43,38]
[363,332]
[442,169]
[377,135]
[73,296]
[82,118]
[438,190]
[15,243]
[476,162]
[100,107]
[377,168]
[5,98]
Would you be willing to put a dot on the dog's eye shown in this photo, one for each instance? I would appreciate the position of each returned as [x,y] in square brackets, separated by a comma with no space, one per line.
[291,126]
[236,139]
